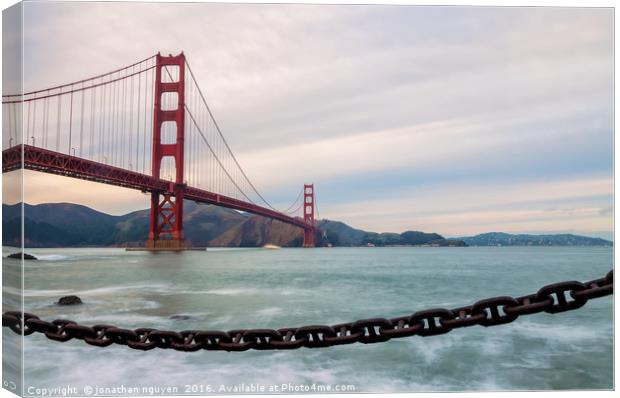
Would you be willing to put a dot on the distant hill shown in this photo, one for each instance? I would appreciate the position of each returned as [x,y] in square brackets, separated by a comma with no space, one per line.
[504,239]
[340,234]
[71,225]
[66,224]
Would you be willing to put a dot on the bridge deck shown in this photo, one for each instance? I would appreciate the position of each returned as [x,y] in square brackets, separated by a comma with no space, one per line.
[47,161]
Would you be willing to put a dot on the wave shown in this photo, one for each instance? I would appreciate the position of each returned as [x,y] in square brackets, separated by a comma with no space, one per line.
[127,320]
[99,291]
[54,257]
[561,333]
[33,292]
[231,291]
[162,289]
[269,311]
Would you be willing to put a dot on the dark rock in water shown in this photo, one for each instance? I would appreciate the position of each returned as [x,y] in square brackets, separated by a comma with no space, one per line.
[181,317]
[69,300]
[18,256]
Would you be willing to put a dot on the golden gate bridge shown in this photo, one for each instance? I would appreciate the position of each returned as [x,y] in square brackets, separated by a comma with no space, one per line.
[146,126]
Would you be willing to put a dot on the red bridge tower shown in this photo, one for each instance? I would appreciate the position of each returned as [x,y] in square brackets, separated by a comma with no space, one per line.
[166,224]
[309,215]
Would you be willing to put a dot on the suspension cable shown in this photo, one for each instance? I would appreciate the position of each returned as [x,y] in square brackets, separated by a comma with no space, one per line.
[301,191]
[316,206]
[206,141]
[294,211]
[216,157]
[224,139]
[77,82]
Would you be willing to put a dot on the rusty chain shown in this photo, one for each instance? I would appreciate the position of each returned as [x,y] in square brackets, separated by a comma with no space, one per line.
[488,312]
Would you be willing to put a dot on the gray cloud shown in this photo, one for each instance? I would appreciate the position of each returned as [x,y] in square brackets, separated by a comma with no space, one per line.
[315,93]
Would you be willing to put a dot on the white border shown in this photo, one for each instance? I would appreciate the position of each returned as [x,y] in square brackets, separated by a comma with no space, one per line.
[554,3]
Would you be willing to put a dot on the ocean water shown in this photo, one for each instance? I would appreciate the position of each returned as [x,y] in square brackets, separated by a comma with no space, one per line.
[256,288]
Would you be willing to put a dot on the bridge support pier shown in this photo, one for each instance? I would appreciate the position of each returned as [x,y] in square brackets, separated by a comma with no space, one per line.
[308,237]
[166,223]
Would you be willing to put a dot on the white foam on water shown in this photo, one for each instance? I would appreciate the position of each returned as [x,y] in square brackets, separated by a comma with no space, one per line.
[295,367]
[194,315]
[177,290]
[119,319]
[54,257]
[269,311]
[493,347]
[468,359]
[33,292]
[296,292]
[86,293]
[432,349]
[114,289]
[137,305]
[221,320]
[559,333]
[232,291]
[165,289]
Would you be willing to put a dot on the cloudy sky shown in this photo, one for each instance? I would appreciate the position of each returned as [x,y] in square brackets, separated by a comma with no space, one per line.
[456,120]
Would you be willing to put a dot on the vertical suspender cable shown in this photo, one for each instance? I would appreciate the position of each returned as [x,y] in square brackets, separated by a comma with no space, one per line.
[82,122]
[130,131]
[70,119]
[34,121]
[112,139]
[93,97]
[152,106]
[111,152]
[138,120]
[11,139]
[108,139]
[28,124]
[123,119]
[46,111]
[15,122]
[58,123]
[101,122]
[145,120]
[116,143]
[114,149]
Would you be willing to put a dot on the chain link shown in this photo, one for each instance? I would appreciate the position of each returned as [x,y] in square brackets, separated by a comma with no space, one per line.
[553,298]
